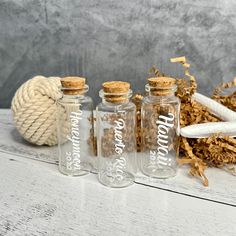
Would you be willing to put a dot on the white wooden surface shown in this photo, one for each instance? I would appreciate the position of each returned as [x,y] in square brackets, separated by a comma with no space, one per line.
[35,200]
[222,186]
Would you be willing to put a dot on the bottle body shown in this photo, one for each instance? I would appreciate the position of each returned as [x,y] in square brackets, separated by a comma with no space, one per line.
[75,134]
[116,143]
[160,131]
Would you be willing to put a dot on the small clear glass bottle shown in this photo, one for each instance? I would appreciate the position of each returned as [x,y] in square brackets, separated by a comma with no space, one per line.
[74,127]
[116,135]
[160,128]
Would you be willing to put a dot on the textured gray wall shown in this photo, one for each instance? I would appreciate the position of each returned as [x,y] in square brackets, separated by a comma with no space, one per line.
[115,40]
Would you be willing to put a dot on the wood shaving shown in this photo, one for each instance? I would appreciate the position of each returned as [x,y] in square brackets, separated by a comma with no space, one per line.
[228,100]
[198,166]
[137,100]
[216,151]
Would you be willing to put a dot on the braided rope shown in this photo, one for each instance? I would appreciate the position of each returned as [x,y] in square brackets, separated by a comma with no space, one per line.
[34,110]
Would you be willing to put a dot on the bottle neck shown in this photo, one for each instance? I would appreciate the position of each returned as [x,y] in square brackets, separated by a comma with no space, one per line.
[115,98]
[74,91]
[160,91]
[73,96]
[108,102]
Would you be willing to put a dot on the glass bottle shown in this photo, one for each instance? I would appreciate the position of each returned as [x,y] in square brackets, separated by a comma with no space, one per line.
[74,127]
[160,128]
[116,136]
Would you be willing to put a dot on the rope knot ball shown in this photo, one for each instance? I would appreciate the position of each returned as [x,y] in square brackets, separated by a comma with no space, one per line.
[34,110]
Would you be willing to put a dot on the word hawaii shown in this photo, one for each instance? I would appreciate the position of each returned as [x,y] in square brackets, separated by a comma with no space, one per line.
[159,157]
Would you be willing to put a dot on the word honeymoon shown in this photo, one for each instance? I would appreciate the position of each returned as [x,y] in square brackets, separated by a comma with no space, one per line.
[159,157]
[73,159]
[115,169]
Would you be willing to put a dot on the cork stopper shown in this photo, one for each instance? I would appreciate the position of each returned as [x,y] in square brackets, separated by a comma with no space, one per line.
[116,91]
[73,85]
[116,87]
[161,86]
[164,82]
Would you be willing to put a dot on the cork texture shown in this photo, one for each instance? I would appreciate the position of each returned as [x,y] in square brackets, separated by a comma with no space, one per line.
[164,82]
[73,85]
[116,87]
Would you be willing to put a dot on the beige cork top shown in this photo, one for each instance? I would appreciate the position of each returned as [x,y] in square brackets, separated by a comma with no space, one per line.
[116,91]
[116,87]
[161,86]
[73,85]
[161,82]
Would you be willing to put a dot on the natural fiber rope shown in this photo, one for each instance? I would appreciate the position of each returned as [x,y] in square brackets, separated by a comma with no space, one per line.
[34,110]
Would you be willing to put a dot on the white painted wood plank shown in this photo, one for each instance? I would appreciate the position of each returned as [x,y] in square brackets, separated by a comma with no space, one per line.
[37,200]
[222,185]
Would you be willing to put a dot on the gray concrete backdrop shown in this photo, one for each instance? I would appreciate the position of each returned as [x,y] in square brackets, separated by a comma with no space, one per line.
[115,40]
